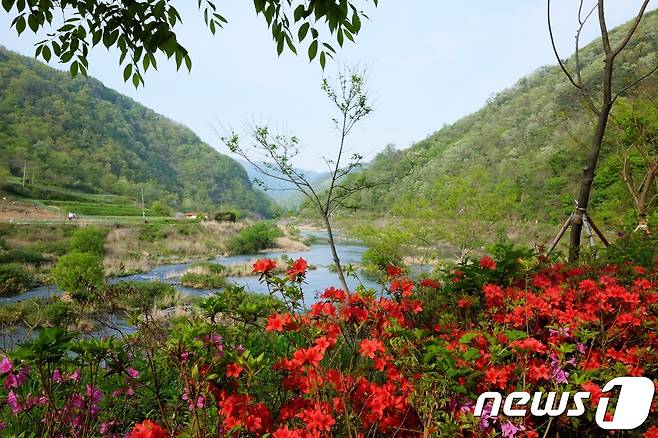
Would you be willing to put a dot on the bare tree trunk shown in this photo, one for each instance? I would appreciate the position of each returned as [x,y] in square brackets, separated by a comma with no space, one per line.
[588,175]
[606,103]
[642,223]
[334,253]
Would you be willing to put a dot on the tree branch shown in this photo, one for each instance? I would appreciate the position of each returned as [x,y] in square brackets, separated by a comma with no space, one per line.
[632,30]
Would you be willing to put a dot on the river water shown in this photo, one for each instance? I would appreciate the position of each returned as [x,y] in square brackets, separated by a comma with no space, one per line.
[317,280]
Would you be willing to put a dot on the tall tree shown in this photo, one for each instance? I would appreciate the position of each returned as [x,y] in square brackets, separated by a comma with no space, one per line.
[602,105]
[273,155]
[142,28]
[639,137]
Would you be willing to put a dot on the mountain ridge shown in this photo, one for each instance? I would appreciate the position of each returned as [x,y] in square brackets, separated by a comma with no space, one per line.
[80,135]
[531,138]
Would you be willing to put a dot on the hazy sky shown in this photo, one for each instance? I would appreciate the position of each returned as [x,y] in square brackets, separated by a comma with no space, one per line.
[430,62]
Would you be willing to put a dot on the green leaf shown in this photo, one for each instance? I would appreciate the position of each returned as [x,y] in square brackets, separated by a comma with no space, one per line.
[299,12]
[356,22]
[127,72]
[20,25]
[303,30]
[74,68]
[188,62]
[470,354]
[45,53]
[33,23]
[313,50]
[279,45]
[468,337]
[7,4]
[136,80]
[290,44]
[323,60]
[514,335]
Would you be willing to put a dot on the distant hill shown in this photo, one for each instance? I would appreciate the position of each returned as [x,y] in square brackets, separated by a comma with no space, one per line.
[530,140]
[283,193]
[78,135]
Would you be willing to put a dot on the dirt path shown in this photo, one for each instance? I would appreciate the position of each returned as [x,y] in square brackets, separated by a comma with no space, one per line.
[19,211]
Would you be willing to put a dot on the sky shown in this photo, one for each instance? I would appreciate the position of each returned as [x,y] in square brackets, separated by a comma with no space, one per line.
[429,63]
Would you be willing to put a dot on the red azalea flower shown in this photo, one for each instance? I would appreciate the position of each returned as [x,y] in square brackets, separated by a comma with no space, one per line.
[498,377]
[403,286]
[278,323]
[148,429]
[651,432]
[393,271]
[263,266]
[298,269]
[334,294]
[233,370]
[284,432]
[428,282]
[594,391]
[464,302]
[529,344]
[370,347]
[487,262]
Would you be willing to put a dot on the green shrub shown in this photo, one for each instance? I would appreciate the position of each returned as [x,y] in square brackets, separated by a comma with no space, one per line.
[76,271]
[637,248]
[203,281]
[14,279]
[141,294]
[226,216]
[189,228]
[159,208]
[253,238]
[152,232]
[88,239]
[21,255]
[57,247]
[379,258]
[59,313]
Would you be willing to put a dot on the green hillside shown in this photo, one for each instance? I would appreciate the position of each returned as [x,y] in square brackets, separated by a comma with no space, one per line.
[76,135]
[525,149]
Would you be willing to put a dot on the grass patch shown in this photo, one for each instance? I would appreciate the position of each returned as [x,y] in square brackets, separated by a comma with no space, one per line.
[14,279]
[205,275]
[22,255]
[97,209]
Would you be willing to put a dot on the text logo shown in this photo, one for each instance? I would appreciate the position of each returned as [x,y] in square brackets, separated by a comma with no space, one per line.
[633,404]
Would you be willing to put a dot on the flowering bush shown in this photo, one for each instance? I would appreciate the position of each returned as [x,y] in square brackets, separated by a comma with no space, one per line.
[407,361]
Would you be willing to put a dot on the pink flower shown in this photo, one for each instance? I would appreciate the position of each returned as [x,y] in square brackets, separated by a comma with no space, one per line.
[15,380]
[5,365]
[132,372]
[13,402]
[57,376]
[510,430]
[75,375]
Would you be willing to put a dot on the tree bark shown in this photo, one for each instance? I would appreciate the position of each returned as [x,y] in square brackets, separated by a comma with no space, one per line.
[590,170]
[334,253]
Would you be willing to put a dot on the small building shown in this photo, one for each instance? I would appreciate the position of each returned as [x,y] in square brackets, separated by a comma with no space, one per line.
[195,215]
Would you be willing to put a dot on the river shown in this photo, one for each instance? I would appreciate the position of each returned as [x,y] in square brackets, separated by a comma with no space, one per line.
[317,280]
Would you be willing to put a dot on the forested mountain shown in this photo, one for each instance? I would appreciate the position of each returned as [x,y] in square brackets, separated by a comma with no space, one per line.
[79,135]
[525,149]
[282,192]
